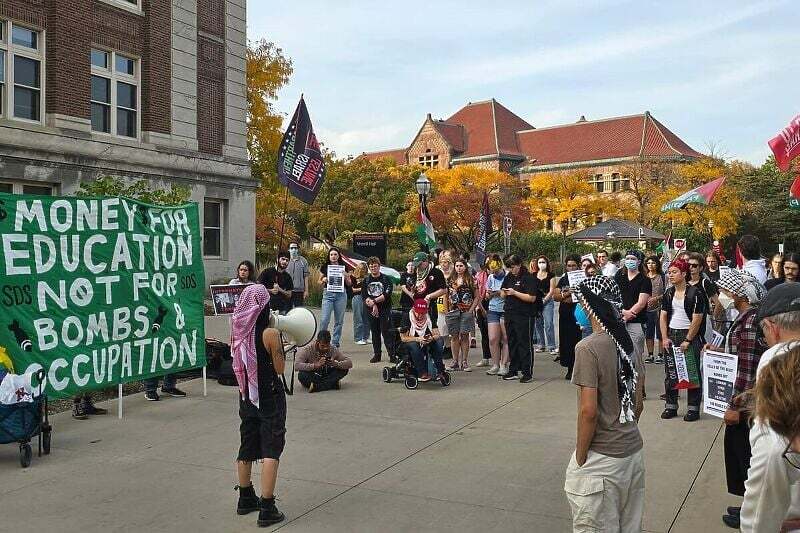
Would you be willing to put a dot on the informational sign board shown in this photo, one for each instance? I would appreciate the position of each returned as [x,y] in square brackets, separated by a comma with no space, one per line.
[335,278]
[719,376]
[590,257]
[100,291]
[225,297]
[680,244]
[369,244]
[575,277]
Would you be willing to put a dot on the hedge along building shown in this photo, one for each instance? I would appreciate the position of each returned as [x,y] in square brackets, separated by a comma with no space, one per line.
[137,89]
[489,135]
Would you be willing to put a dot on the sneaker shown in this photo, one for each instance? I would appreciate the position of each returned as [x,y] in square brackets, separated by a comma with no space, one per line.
[454,367]
[659,360]
[734,511]
[268,514]
[361,342]
[424,378]
[691,416]
[732,521]
[173,391]
[248,501]
[510,377]
[503,370]
[375,358]
[539,348]
[483,362]
[669,413]
[466,367]
[663,397]
[151,396]
[554,351]
[649,359]
[78,412]
[526,379]
[493,371]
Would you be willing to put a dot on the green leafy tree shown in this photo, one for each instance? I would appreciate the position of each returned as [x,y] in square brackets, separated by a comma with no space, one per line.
[141,190]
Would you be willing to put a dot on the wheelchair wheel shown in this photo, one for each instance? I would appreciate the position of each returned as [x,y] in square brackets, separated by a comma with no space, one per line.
[411,382]
[446,379]
[25,454]
[387,374]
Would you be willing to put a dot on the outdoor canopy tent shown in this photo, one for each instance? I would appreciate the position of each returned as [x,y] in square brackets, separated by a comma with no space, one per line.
[615,229]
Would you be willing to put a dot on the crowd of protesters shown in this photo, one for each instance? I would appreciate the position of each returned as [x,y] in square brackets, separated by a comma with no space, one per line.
[622,314]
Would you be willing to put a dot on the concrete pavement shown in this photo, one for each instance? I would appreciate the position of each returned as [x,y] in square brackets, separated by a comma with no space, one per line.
[481,455]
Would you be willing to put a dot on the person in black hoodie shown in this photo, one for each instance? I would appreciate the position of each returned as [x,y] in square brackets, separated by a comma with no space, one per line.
[377,294]
[519,291]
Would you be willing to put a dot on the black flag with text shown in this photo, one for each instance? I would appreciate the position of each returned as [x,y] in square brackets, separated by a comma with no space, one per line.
[301,167]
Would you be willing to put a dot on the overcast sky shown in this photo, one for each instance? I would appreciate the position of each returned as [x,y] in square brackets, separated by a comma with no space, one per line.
[721,72]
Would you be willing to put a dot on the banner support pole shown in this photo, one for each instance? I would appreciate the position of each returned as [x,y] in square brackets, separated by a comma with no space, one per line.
[119,401]
[205,385]
[283,220]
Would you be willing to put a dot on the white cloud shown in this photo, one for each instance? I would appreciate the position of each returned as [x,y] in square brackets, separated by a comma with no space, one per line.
[355,141]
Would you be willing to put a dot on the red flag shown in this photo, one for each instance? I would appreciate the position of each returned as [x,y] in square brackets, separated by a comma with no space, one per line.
[786,145]
[794,193]
[739,258]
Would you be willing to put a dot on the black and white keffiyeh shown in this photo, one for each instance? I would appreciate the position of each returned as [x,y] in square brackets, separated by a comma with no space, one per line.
[744,285]
[602,299]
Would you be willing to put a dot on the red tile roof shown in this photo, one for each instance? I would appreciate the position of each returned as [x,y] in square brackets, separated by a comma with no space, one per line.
[453,133]
[398,155]
[490,128]
[613,138]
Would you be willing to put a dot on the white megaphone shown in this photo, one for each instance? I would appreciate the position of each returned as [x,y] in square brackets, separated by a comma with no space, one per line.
[298,325]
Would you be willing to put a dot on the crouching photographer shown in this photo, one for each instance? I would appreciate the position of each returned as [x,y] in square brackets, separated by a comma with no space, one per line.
[321,366]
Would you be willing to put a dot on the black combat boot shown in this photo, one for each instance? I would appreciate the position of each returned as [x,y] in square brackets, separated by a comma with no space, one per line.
[268,514]
[248,501]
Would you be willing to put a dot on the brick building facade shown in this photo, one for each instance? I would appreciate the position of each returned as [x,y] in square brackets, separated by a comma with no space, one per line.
[488,135]
[138,89]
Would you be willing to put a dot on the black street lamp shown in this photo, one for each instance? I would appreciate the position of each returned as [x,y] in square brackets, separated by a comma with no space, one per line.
[423,185]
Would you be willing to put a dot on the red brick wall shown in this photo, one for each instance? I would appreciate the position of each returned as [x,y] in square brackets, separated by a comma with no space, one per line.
[211,17]
[210,95]
[74,25]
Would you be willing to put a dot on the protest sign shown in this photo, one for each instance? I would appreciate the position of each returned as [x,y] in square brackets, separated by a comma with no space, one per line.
[724,271]
[575,277]
[335,278]
[225,297]
[719,376]
[682,371]
[589,256]
[100,291]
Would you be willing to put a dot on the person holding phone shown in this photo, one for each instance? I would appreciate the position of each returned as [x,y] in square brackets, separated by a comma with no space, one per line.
[569,332]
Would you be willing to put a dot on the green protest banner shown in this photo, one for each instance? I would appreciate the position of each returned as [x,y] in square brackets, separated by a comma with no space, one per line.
[100,291]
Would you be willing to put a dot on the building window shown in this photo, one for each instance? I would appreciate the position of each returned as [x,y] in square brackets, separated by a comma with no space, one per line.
[596,181]
[430,161]
[21,61]
[615,182]
[625,183]
[115,93]
[213,227]
[16,187]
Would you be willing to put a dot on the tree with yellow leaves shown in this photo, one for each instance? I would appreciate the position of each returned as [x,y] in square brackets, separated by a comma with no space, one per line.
[567,198]
[457,197]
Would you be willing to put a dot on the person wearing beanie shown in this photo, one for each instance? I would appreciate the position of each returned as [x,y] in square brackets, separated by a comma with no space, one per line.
[604,480]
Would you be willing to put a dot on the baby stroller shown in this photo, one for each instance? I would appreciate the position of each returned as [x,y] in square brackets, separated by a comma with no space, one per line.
[22,421]
[404,368]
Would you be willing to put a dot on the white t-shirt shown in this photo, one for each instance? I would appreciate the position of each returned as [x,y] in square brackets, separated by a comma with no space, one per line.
[679,318]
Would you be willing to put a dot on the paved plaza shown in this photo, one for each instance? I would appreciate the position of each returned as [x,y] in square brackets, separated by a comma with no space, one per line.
[481,455]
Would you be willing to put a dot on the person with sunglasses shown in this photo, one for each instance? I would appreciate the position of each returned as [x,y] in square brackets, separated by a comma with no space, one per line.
[772,489]
[708,290]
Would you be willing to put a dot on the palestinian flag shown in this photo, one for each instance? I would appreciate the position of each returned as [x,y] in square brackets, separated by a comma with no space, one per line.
[425,234]
[699,195]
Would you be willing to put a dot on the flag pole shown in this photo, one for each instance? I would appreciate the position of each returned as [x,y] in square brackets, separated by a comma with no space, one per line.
[283,220]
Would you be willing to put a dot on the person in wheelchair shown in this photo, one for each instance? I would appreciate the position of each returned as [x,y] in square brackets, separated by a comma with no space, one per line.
[421,337]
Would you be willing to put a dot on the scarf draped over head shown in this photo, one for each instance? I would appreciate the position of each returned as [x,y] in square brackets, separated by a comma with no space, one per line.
[602,299]
[744,285]
[251,303]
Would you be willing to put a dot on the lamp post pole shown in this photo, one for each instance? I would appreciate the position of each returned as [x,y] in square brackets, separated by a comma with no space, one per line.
[423,186]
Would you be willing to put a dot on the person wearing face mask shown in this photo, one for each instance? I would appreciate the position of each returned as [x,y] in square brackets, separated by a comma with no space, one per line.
[298,269]
[742,291]
[790,267]
[569,333]
[636,290]
[495,306]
